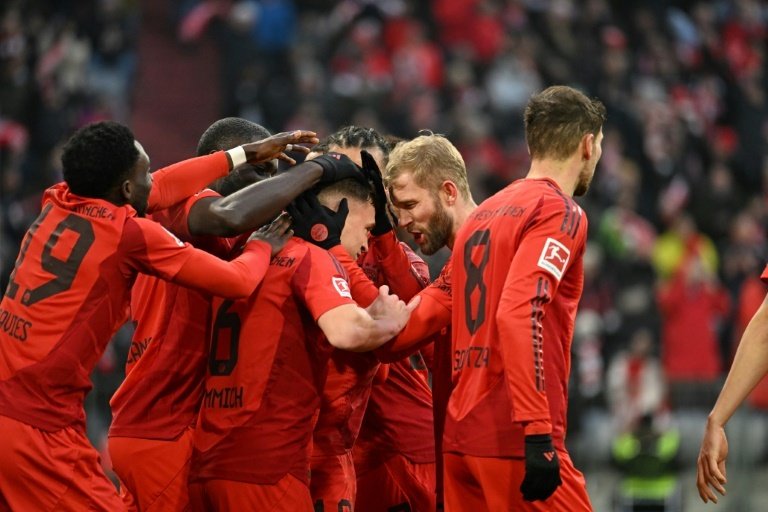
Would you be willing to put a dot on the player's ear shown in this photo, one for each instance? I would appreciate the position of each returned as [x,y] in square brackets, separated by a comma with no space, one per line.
[587,146]
[449,191]
[126,190]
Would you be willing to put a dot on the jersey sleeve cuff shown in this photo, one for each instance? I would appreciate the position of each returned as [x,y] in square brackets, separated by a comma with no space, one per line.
[538,427]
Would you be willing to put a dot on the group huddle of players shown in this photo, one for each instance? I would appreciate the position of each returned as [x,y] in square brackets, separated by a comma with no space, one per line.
[290,352]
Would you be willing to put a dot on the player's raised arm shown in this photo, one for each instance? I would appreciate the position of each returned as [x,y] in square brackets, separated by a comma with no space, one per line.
[160,253]
[406,273]
[183,179]
[256,204]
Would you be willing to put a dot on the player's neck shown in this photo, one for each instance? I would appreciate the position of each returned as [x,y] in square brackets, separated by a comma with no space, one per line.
[563,172]
[460,215]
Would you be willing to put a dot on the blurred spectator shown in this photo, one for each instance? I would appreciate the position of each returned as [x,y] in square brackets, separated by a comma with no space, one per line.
[635,382]
[648,456]
[693,305]
[682,245]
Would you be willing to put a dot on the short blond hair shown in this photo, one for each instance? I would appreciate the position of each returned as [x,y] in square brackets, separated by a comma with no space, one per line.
[431,159]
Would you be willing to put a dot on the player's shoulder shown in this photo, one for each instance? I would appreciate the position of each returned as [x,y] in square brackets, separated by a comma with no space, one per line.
[298,253]
[146,232]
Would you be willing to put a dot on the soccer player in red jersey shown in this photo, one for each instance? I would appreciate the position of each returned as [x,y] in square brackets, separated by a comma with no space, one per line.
[750,366]
[428,187]
[268,365]
[517,280]
[155,408]
[69,292]
[385,260]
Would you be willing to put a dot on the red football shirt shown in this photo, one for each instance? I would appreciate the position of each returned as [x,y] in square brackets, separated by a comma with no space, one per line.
[160,396]
[267,367]
[350,375]
[399,414]
[69,293]
[518,276]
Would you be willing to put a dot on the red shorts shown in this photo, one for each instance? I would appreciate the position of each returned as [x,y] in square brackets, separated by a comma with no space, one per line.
[153,474]
[51,471]
[397,485]
[484,483]
[289,494]
[332,483]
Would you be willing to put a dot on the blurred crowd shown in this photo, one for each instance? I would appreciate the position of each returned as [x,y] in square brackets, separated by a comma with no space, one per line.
[677,209]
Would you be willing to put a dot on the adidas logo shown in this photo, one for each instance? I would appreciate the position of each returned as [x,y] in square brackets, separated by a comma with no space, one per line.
[549,456]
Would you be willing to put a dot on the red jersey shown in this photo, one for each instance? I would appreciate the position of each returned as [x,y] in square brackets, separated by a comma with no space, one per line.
[350,375]
[517,267]
[165,368]
[69,293]
[267,367]
[399,414]
[429,322]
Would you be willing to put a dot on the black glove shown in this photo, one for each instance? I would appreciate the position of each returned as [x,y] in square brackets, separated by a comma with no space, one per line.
[384,214]
[315,223]
[338,167]
[542,468]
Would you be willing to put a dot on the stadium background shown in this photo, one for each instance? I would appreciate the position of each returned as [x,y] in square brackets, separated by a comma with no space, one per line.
[677,209]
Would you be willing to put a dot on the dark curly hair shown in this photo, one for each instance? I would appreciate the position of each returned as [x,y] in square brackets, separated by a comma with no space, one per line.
[359,137]
[98,157]
[228,133]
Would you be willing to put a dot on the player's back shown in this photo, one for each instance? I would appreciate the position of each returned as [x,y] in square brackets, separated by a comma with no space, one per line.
[68,293]
[495,275]
[399,417]
[160,396]
[267,366]
[344,401]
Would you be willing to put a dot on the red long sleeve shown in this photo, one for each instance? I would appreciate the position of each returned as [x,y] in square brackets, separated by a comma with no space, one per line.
[229,279]
[363,290]
[403,270]
[428,319]
[180,180]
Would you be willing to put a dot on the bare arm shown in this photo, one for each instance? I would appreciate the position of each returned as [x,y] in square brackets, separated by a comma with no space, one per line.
[256,204]
[350,327]
[749,366]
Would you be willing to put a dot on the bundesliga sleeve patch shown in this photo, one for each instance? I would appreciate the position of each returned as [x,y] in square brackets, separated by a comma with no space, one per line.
[554,257]
[342,287]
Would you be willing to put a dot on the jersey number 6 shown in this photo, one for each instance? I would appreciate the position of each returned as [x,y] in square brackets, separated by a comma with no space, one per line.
[224,320]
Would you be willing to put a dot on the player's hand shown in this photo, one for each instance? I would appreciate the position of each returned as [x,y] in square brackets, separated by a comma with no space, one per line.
[711,464]
[384,214]
[392,309]
[317,224]
[542,468]
[278,145]
[276,233]
[337,167]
